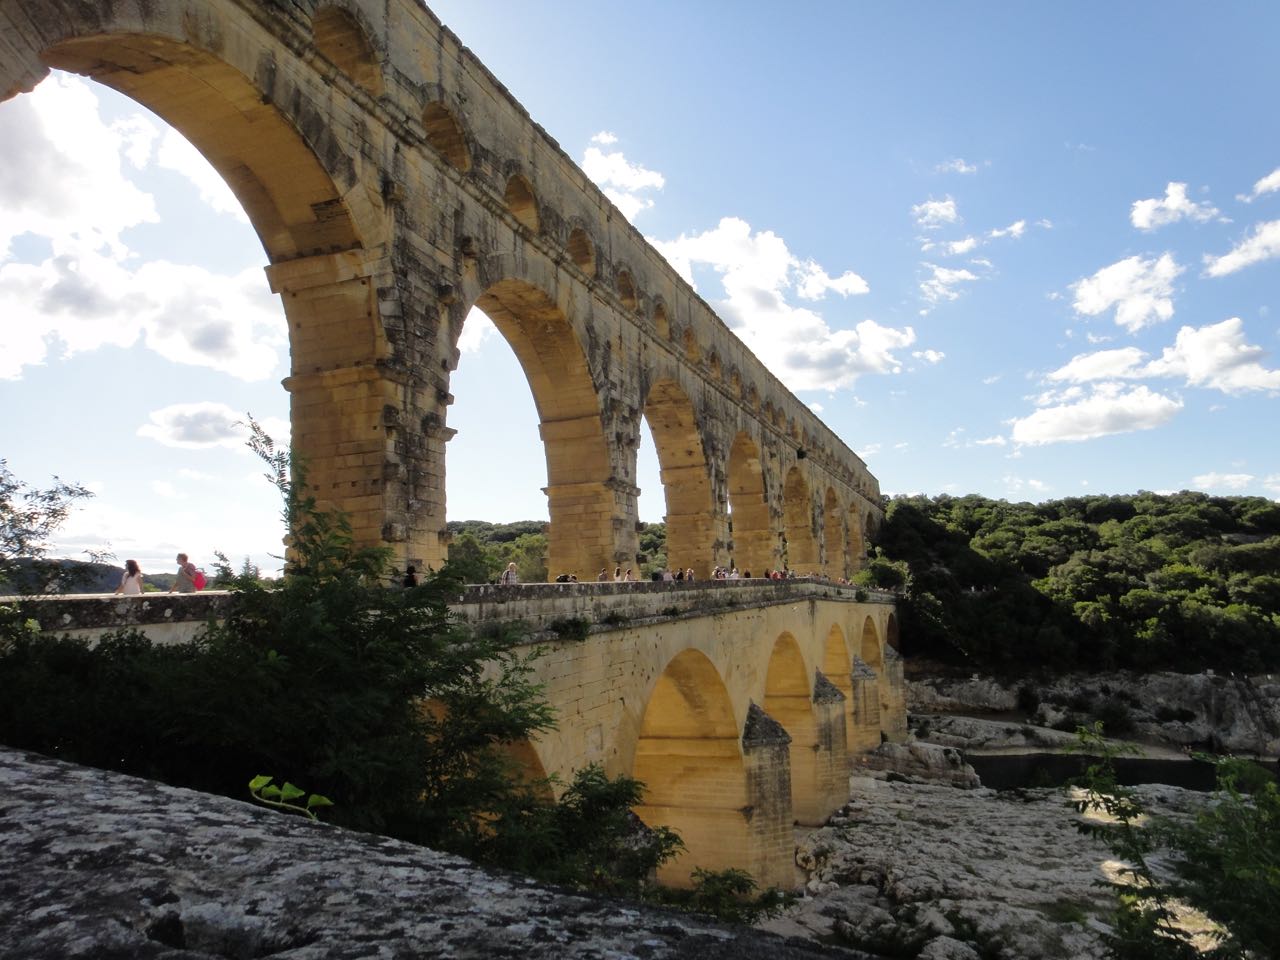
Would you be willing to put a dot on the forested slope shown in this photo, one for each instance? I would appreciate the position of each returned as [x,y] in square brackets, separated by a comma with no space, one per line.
[1145,581]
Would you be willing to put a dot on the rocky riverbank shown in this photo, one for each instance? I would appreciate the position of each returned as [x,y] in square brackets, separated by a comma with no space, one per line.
[1221,713]
[914,869]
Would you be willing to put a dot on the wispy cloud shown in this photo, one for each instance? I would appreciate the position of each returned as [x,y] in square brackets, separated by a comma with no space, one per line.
[956,165]
[935,214]
[1262,244]
[1268,184]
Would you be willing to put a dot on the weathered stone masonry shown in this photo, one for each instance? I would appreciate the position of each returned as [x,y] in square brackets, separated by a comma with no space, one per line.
[395,184]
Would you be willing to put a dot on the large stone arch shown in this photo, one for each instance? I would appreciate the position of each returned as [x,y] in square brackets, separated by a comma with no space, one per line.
[833,564]
[817,749]
[872,654]
[802,548]
[579,494]
[252,108]
[754,544]
[837,666]
[690,516]
[691,764]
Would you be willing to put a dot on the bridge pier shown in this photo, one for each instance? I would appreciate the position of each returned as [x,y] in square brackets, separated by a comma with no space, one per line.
[864,708]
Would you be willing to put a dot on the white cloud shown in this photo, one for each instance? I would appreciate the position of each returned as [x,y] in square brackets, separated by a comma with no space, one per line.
[621,181]
[933,214]
[929,356]
[604,138]
[1111,408]
[79,300]
[61,168]
[1223,481]
[1263,244]
[61,178]
[956,165]
[1102,365]
[202,424]
[176,153]
[1140,290]
[996,441]
[816,407]
[1015,230]
[1215,356]
[1268,184]
[758,274]
[477,330]
[955,247]
[1272,483]
[942,282]
[1174,206]
[870,450]
[814,283]
[166,489]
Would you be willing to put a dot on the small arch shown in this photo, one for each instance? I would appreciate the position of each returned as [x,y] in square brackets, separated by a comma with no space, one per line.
[714,370]
[891,633]
[341,38]
[445,136]
[779,418]
[753,397]
[661,325]
[692,352]
[735,382]
[522,203]
[627,292]
[833,535]
[582,251]
[768,411]
[689,758]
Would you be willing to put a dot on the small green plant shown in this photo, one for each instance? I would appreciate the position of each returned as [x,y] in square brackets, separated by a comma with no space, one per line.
[614,619]
[284,797]
[729,895]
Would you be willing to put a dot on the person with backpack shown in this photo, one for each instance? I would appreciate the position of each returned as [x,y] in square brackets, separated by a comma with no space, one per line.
[189,578]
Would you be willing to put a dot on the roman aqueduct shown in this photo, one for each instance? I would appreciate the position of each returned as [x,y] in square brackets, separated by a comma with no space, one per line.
[395,185]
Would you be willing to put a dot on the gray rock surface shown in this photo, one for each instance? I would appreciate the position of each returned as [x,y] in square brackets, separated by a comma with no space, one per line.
[924,761]
[99,865]
[926,870]
[1226,713]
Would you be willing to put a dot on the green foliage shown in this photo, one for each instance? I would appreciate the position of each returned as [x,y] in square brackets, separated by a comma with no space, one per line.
[729,895]
[284,797]
[588,839]
[479,552]
[570,628]
[1225,862]
[374,697]
[1184,581]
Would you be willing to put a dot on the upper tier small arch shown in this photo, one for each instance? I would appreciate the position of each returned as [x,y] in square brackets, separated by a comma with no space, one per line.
[341,38]
[446,137]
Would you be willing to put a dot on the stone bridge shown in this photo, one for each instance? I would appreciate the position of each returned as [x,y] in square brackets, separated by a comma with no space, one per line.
[395,184]
[742,705]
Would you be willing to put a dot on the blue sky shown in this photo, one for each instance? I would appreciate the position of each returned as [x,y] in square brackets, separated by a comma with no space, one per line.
[1022,250]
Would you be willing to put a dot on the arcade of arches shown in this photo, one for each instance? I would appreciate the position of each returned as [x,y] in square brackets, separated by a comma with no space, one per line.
[394,185]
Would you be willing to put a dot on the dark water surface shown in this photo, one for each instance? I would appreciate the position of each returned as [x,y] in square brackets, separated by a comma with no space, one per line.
[1010,771]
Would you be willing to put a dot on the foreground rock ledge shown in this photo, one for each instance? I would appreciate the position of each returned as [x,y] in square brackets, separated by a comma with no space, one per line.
[97,864]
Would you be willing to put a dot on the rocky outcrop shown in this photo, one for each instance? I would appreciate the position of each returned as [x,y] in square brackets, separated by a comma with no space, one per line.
[925,870]
[96,865]
[1225,713]
[922,761]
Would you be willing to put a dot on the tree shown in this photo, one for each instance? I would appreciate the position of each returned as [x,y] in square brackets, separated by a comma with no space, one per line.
[28,518]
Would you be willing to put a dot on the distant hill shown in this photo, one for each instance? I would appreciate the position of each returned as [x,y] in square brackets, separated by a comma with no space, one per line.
[75,576]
